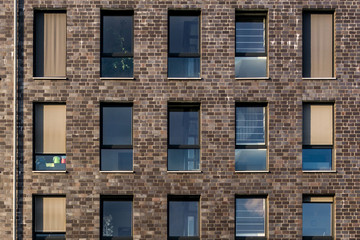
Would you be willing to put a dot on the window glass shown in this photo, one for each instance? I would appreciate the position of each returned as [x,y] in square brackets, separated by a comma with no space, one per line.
[116,218]
[183,218]
[250,67]
[250,159]
[250,36]
[317,159]
[250,217]
[184,67]
[317,219]
[183,159]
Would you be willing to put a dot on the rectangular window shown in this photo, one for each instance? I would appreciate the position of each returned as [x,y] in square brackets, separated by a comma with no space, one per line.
[251,47]
[318,217]
[116,218]
[183,217]
[318,44]
[251,148]
[250,218]
[50,44]
[117,44]
[184,44]
[183,138]
[317,136]
[50,137]
[50,217]
[116,137]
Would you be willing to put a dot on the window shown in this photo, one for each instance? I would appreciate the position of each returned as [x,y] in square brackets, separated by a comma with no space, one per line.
[251,149]
[50,137]
[50,217]
[250,217]
[116,218]
[184,44]
[251,48]
[116,137]
[183,217]
[50,44]
[117,44]
[317,218]
[317,136]
[183,138]
[318,44]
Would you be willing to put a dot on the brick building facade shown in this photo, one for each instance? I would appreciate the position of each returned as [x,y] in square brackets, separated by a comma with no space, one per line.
[217,92]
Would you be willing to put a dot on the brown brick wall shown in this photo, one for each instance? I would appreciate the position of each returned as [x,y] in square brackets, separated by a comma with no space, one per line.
[217,92]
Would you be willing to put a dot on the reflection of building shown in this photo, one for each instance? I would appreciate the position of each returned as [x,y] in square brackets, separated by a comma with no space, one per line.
[195,119]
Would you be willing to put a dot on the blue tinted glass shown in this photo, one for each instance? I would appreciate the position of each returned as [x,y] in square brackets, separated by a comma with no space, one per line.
[184,34]
[184,127]
[250,67]
[317,219]
[317,159]
[117,34]
[49,236]
[250,159]
[183,159]
[116,159]
[183,219]
[250,125]
[117,67]
[117,126]
[184,67]
[117,218]
[250,217]
[50,162]
[250,36]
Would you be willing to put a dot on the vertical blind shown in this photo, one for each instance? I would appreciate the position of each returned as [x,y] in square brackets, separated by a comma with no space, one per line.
[50,214]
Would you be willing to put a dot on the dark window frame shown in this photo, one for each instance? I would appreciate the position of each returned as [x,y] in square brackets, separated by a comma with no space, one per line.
[182,198]
[120,198]
[117,54]
[34,219]
[265,197]
[101,145]
[34,133]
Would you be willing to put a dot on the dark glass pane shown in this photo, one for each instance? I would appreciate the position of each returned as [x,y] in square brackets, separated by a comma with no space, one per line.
[250,217]
[117,67]
[184,67]
[183,159]
[117,34]
[117,218]
[250,67]
[184,34]
[184,126]
[250,36]
[117,126]
[250,125]
[51,162]
[250,159]
[183,219]
[116,159]
[317,159]
[317,219]
[49,236]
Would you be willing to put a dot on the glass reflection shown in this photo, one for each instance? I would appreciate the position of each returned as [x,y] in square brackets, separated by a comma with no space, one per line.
[250,125]
[250,217]
[317,159]
[183,159]
[116,159]
[183,219]
[183,67]
[317,219]
[184,127]
[250,67]
[117,67]
[117,126]
[250,159]
[117,34]
[50,162]
[117,218]
[184,34]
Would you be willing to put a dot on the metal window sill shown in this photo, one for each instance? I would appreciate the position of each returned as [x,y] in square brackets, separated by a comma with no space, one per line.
[264,171]
[117,78]
[319,171]
[253,78]
[117,171]
[50,78]
[189,78]
[39,171]
[319,78]
[195,171]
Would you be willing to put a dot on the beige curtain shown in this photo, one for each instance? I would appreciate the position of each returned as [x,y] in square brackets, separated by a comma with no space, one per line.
[318,124]
[50,129]
[50,214]
[318,199]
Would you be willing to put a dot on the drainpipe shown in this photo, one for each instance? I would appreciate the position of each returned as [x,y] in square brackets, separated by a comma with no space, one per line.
[14,118]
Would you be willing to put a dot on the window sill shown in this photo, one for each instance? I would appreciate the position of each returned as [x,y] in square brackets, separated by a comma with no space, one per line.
[320,78]
[50,78]
[253,78]
[189,78]
[195,171]
[37,171]
[118,172]
[261,171]
[117,78]
[319,171]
